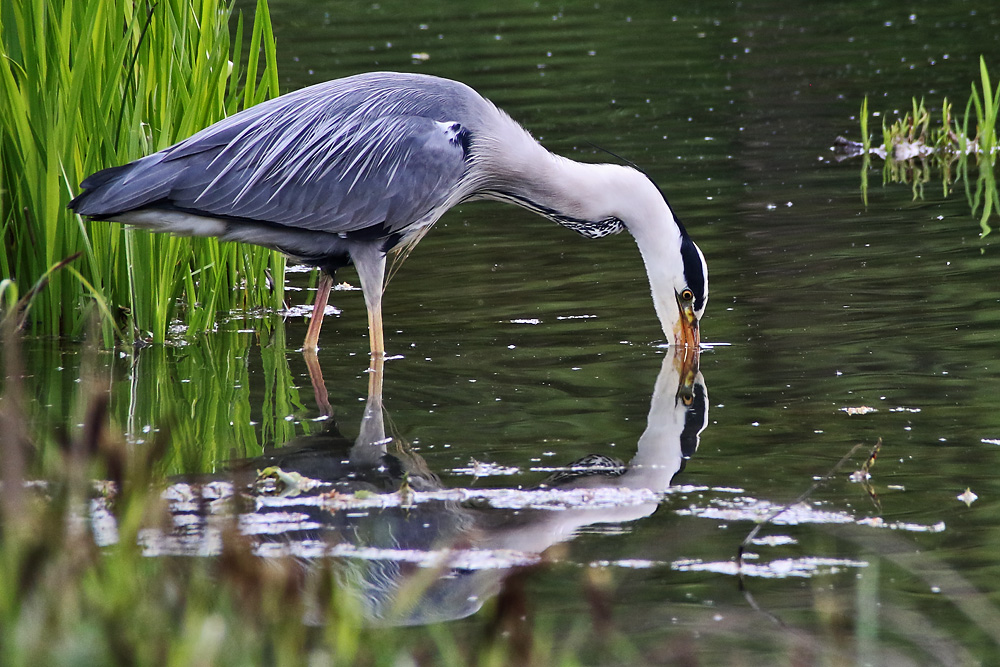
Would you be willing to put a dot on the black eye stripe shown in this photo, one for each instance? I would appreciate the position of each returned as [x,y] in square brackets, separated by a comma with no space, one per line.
[694,270]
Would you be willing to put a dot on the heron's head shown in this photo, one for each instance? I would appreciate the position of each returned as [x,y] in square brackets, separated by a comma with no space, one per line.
[678,273]
[690,293]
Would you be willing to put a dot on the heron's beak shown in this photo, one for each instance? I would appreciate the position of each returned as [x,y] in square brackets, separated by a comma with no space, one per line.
[687,334]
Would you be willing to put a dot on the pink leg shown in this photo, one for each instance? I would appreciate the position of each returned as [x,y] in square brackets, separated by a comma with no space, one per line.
[319,308]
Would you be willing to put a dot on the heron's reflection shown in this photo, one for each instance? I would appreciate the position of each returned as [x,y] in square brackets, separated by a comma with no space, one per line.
[480,543]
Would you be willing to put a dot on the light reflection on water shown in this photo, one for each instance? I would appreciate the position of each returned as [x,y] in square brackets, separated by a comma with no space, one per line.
[377,500]
[521,347]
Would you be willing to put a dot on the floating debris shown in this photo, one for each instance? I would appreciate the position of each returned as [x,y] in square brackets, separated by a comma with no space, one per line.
[860,410]
[299,268]
[750,509]
[483,469]
[461,559]
[302,310]
[276,523]
[968,497]
[627,563]
[879,522]
[550,499]
[774,541]
[289,484]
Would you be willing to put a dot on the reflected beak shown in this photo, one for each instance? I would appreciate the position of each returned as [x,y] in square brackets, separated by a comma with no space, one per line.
[688,335]
[686,364]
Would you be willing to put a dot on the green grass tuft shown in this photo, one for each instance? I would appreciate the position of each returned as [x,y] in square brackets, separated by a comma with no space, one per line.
[913,150]
[88,85]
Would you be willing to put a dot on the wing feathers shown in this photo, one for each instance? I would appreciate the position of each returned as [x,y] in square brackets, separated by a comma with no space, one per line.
[334,158]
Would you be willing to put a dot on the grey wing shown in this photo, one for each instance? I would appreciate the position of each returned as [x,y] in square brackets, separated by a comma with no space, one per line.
[303,166]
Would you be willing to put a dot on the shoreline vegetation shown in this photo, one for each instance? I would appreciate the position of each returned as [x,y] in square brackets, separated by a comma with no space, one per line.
[81,592]
[72,598]
[89,85]
[912,150]
[84,86]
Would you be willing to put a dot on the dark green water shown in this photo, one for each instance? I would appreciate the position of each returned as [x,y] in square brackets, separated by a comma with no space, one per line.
[522,345]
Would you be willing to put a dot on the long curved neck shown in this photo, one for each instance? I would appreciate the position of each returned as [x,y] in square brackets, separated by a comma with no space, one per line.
[527,173]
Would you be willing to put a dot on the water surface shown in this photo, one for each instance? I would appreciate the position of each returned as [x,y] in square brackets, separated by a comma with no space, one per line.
[522,348]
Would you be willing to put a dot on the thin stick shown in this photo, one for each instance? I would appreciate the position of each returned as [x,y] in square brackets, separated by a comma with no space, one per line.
[775,514]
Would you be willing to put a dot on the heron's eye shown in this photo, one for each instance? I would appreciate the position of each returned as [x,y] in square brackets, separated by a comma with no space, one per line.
[687,295]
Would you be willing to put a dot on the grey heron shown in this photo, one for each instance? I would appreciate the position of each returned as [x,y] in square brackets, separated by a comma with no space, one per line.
[342,172]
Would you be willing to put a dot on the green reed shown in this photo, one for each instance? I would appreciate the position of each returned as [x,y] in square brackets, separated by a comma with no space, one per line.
[915,148]
[89,85]
[986,119]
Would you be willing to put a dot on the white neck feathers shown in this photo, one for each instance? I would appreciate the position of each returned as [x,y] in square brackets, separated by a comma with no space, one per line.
[596,192]
[513,163]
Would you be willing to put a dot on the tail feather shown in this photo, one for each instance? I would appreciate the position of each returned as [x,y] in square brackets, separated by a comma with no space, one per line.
[85,202]
[117,190]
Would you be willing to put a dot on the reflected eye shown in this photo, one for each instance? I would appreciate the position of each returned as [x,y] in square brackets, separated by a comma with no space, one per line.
[687,295]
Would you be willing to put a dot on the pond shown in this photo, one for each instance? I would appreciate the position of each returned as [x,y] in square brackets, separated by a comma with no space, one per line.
[530,412]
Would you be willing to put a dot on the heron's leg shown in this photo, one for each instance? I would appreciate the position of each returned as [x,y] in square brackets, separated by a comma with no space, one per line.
[319,309]
[370,263]
[375,329]
[370,445]
[375,377]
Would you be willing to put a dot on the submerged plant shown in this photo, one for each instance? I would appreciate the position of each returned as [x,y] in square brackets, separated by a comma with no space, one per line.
[913,150]
[88,85]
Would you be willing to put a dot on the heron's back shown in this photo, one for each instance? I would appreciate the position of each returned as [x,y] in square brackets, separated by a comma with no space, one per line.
[364,157]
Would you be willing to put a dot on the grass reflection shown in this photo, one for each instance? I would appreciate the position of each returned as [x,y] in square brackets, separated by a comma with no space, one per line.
[200,394]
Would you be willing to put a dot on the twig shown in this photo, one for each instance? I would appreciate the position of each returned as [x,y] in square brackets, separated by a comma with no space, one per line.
[808,492]
[747,595]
